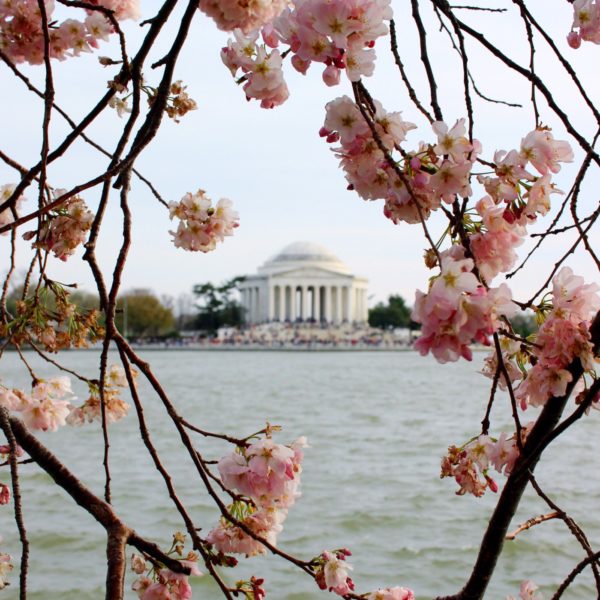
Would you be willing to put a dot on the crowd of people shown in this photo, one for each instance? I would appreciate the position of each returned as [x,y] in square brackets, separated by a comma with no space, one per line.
[304,335]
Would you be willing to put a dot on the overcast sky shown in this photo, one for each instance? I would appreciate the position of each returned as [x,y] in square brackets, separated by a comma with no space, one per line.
[281,176]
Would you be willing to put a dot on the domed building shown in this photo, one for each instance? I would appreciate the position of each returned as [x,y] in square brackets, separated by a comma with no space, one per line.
[304,282]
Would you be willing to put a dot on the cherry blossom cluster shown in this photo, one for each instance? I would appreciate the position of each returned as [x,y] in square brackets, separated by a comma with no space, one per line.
[420,181]
[338,34]
[5,452]
[563,336]
[50,319]
[179,103]
[22,36]
[458,310]
[528,591]
[470,464]
[4,494]
[331,571]
[268,474]
[46,408]
[64,228]
[252,589]
[157,582]
[515,198]
[437,173]
[201,225]
[586,23]
[114,406]
[262,70]
[513,357]
[241,14]
[7,216]
[395,593]
[5,568]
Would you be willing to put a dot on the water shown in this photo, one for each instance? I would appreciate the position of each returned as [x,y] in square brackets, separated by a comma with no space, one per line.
[377,423]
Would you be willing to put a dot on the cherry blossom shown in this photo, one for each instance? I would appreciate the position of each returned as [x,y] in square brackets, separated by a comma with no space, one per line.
[267,472]
[586,19]
[265,523]
[5,568]
[457,310]
[528,591]
[237,14]
[65,228]
[493,247]
[544,152]
[201,225]
[22,39]
[395,593]
[45,409]
[562,337]
[469,465]
[7,216]
[4,494]
[333,572]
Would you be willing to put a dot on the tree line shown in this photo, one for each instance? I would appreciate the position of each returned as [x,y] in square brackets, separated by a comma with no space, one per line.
[143,314]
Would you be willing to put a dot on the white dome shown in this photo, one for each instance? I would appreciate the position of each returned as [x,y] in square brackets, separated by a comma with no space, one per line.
[301,254]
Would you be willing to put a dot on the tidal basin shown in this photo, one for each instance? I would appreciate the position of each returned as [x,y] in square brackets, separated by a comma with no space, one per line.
[377,424]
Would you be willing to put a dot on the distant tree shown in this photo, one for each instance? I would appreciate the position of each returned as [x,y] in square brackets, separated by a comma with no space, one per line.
[393,314]
[141,313]
[216,307]
[524,324]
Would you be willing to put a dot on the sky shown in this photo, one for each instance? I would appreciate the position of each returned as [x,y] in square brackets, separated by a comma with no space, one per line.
[282,178]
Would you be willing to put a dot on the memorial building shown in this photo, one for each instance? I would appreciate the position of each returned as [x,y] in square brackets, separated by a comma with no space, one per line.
[304,282]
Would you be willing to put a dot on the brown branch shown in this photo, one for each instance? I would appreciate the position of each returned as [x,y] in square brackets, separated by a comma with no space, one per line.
[437,111]
[411,91]
[571,577]
[574,528]
[145,435]
[18,510]
[493,539]
[531,523]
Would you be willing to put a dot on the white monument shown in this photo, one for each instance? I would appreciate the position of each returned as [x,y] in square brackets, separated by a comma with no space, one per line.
[305,282]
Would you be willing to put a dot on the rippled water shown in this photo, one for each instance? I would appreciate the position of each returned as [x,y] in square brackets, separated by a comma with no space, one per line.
[377,423]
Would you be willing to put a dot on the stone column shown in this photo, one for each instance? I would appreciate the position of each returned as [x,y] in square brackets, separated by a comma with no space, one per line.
[304,303]
[248,305]
[256,305]
[293,307]
[350,307]
[338,303]
[328,314]
[271,300]
[282,289]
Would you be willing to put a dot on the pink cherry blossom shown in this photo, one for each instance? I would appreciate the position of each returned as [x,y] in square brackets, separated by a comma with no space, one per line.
[7,216]
[457,310]
[266,472]
[64,229]
[334,575]
[572,297]
[586,18]
[247,16]
[395,593]
[22,38]
[266,523]
[544,152]
[202,225]
[5,568]
[452,141]
[528,591]
[4,494]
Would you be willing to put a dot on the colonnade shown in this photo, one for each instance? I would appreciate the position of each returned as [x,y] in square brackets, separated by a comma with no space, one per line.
[306,302]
